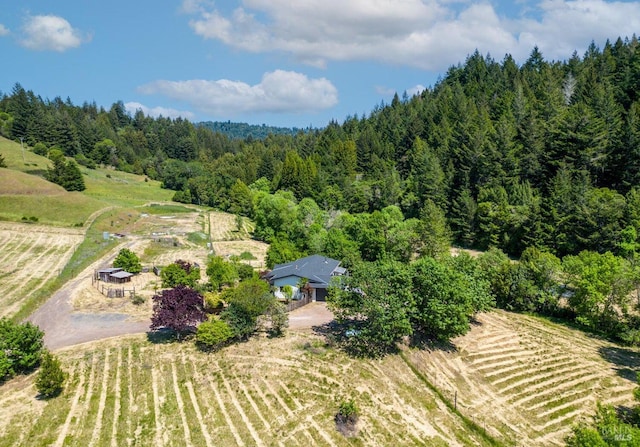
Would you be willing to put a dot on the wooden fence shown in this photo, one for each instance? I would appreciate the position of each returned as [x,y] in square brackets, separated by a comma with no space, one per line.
[295,304]
[113,292]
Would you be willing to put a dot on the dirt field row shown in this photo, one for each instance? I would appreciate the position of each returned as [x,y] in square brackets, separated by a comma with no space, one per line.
[31,256]
[528,380]
[264,392]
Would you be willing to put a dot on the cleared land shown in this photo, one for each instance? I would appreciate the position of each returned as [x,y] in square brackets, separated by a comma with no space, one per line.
[523,380]
[264,392]
[31,256]
[528,380]
[227,240]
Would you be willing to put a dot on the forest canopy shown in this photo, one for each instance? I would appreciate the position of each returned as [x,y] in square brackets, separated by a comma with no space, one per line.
[538,161]
[544,154]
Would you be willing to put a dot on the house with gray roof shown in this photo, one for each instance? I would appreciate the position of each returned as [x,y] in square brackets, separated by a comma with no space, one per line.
[316,270]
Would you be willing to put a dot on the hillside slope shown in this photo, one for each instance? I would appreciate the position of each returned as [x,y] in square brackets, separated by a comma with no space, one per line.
[263,392]
[527,379]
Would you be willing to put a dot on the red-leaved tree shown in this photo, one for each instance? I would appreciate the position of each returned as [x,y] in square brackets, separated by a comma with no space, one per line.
[179,309]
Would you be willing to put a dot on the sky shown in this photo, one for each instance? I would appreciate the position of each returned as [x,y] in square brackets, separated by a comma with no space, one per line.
[290,63]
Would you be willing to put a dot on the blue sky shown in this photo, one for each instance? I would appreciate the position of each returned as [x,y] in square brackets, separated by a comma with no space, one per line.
[289,63]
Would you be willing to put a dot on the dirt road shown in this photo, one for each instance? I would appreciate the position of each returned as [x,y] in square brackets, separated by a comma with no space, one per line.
[63,327]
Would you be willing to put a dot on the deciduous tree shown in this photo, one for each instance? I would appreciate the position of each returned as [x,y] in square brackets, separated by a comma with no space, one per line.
[128,260]
[180,309]
[180,273]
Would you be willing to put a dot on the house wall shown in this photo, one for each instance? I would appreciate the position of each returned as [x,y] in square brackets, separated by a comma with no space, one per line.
[287,281]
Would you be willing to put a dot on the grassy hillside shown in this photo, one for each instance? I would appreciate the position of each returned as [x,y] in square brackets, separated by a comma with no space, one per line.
[23,190]
[513,380]
[21,159]
[528,379]
[123,189]
[28,196]
[264,392]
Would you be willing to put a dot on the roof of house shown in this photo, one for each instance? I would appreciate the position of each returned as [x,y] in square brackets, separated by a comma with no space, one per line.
[316,268]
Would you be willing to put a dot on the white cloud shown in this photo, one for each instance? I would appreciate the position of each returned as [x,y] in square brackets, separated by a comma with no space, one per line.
[416,90]
[50,33]
[133,107]
[428,34]
[279,91]
[3,30]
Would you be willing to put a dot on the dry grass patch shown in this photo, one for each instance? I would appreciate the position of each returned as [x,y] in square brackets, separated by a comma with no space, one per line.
[127,391]
[525,379]
[31,257]
[224,227]
[236,248]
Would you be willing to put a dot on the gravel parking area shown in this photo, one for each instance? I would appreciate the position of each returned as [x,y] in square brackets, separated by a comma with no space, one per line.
[313,314]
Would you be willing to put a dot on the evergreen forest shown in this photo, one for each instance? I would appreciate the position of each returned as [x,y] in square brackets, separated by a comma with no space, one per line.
[538,161]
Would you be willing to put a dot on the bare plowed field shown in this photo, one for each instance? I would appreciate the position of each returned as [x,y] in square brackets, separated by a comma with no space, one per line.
[31,256]
[528,380]
[261,393]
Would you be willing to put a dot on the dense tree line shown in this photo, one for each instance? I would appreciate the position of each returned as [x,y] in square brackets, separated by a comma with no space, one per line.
[545,154]
[247,131]
[539,161]
[381,302]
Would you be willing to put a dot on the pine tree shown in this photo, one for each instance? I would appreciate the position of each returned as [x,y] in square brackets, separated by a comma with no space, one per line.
[72,178]
[51,377]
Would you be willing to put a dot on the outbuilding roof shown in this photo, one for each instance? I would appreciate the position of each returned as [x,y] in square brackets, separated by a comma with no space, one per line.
[110,270]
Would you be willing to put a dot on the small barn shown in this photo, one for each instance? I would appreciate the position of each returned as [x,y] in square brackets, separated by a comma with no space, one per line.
[104,274]
[120,277]
[113,275]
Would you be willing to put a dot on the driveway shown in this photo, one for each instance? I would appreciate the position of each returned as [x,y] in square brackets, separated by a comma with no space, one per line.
[313,314]
[63,327]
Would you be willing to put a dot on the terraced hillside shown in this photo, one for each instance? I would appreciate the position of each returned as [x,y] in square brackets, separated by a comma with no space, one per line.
[529,380]
[264,392]
[31,256]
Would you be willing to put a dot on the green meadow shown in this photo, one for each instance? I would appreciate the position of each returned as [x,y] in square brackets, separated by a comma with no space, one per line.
[26,196]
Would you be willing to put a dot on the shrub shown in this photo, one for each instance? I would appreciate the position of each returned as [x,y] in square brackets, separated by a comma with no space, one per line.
[213,303]
[247,256]
[347,418]
[287,291]
[137,300]
[213,334]
[245,271]
[21,347]
[278,318]
[51,377]
[40,149]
